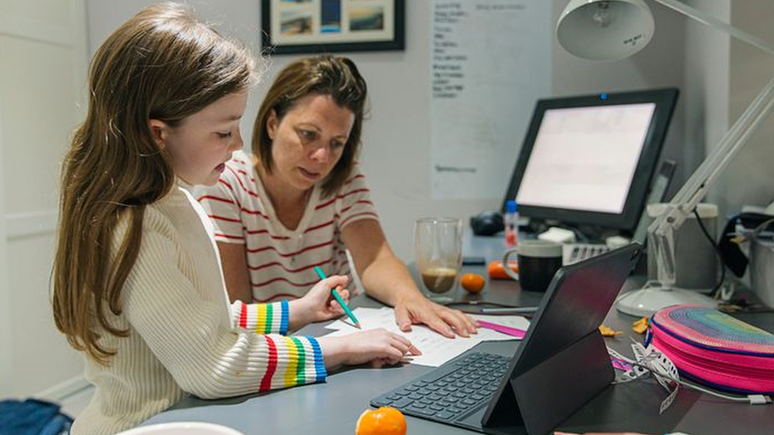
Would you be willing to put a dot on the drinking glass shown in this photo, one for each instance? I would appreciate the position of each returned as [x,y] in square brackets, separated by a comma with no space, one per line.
[438,245]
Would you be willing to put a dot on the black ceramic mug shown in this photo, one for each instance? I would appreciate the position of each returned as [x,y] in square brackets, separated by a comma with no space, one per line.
[538,262]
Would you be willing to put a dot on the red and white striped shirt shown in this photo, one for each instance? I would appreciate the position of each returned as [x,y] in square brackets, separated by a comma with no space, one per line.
[282,261]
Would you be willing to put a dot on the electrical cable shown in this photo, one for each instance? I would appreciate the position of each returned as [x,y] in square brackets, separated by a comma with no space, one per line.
[753,399]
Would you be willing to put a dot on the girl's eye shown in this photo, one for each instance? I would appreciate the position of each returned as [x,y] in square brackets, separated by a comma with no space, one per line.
[224,135]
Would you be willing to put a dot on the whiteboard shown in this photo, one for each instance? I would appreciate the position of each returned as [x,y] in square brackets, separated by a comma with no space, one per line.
[490,60]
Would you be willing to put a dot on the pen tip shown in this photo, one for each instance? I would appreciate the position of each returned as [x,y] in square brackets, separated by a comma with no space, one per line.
[357,324]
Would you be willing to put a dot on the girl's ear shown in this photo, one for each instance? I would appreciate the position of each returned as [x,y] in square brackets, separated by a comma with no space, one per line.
[158,131]
[271,124]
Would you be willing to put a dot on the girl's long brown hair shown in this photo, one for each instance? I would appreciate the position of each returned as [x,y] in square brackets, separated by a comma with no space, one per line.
[161,64]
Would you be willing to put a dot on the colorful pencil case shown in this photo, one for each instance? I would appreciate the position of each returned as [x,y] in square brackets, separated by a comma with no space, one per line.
[715,349]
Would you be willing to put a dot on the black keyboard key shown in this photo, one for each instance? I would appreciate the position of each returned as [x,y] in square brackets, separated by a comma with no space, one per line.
[444,415]
[401,403]
[420,411]
[382,402]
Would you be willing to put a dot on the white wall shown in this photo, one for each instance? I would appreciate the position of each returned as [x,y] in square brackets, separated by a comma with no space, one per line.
[722,76]
[42,71]
[707,80]
[749,178]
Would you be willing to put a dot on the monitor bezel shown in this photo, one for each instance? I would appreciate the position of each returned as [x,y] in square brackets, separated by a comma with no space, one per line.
[665,100]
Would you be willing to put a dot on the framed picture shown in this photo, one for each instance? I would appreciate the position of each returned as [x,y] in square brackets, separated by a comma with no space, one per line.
[317,26]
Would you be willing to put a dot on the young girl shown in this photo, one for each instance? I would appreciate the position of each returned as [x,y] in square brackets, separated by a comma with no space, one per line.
[137,280]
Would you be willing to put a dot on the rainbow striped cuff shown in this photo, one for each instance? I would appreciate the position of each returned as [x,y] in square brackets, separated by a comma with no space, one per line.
[261,318]
[292,361]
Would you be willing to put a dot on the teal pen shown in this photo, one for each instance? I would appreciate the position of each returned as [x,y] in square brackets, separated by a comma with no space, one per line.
[338,298]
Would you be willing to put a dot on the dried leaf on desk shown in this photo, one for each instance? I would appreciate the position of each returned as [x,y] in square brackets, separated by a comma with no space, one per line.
[606,331]
[641,326]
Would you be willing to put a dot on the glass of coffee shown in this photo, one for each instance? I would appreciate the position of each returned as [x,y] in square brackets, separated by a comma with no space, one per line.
[438,245]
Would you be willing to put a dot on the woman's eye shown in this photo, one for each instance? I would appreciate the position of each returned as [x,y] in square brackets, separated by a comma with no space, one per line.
[224,135]
[307,134]
[337,144]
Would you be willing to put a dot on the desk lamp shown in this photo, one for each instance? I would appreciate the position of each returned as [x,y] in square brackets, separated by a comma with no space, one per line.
[615,29]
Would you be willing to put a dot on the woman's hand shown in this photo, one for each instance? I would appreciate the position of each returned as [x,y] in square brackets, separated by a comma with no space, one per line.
[318,304]
[416,309]
[376,346]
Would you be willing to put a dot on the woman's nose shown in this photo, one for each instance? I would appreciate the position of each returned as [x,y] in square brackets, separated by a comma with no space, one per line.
[321,154]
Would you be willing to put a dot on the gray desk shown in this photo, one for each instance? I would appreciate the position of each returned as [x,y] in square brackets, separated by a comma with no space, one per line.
[333,407]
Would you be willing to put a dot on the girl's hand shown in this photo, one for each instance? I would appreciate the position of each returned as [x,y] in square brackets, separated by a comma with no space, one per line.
[318,304]
[376,346]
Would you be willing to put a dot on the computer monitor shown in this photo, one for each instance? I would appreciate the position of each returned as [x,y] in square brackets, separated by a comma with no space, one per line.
[588,160]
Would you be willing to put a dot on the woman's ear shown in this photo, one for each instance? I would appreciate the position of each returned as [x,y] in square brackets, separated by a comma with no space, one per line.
[158,131]
[271,124]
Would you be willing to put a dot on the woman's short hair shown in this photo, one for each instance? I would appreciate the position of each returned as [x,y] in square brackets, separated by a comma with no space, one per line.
[327,75]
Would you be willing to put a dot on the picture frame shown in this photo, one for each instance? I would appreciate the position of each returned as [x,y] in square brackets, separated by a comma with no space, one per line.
[323,26]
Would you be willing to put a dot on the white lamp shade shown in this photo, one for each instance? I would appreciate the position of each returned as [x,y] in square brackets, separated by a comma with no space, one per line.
[605,29]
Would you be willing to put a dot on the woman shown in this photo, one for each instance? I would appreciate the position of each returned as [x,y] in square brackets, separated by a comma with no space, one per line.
[300,201]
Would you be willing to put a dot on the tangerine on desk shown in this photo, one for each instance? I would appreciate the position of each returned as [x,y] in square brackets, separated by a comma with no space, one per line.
[382,421]
[472,282]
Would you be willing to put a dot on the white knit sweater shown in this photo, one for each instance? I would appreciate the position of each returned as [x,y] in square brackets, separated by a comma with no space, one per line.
[184,336]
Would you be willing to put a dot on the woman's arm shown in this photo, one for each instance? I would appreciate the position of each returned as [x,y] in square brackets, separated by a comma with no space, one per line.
[386,278]
[234,260]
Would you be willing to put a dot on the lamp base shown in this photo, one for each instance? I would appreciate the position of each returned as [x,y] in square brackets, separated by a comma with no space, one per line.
[649,299]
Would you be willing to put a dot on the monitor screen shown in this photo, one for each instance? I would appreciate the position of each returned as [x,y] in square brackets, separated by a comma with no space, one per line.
[589,159]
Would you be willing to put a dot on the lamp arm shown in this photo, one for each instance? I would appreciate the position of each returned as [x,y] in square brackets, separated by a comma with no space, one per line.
[662,230]
[711,21]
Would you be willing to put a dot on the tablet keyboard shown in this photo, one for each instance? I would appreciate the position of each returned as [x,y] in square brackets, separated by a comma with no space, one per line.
[451,391]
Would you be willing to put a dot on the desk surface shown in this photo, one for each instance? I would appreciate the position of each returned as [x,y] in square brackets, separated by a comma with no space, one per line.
[334,406]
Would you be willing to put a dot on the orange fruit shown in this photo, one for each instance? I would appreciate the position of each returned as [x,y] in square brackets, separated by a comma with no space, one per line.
[382,421]
[472,282]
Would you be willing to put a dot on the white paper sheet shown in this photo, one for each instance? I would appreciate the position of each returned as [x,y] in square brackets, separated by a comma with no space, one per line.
[436,349]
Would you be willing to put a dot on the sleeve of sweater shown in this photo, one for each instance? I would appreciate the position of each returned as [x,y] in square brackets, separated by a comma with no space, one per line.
[261,318]
[192,335]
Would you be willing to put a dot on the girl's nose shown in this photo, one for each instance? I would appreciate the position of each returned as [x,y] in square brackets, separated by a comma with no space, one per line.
[236,141]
